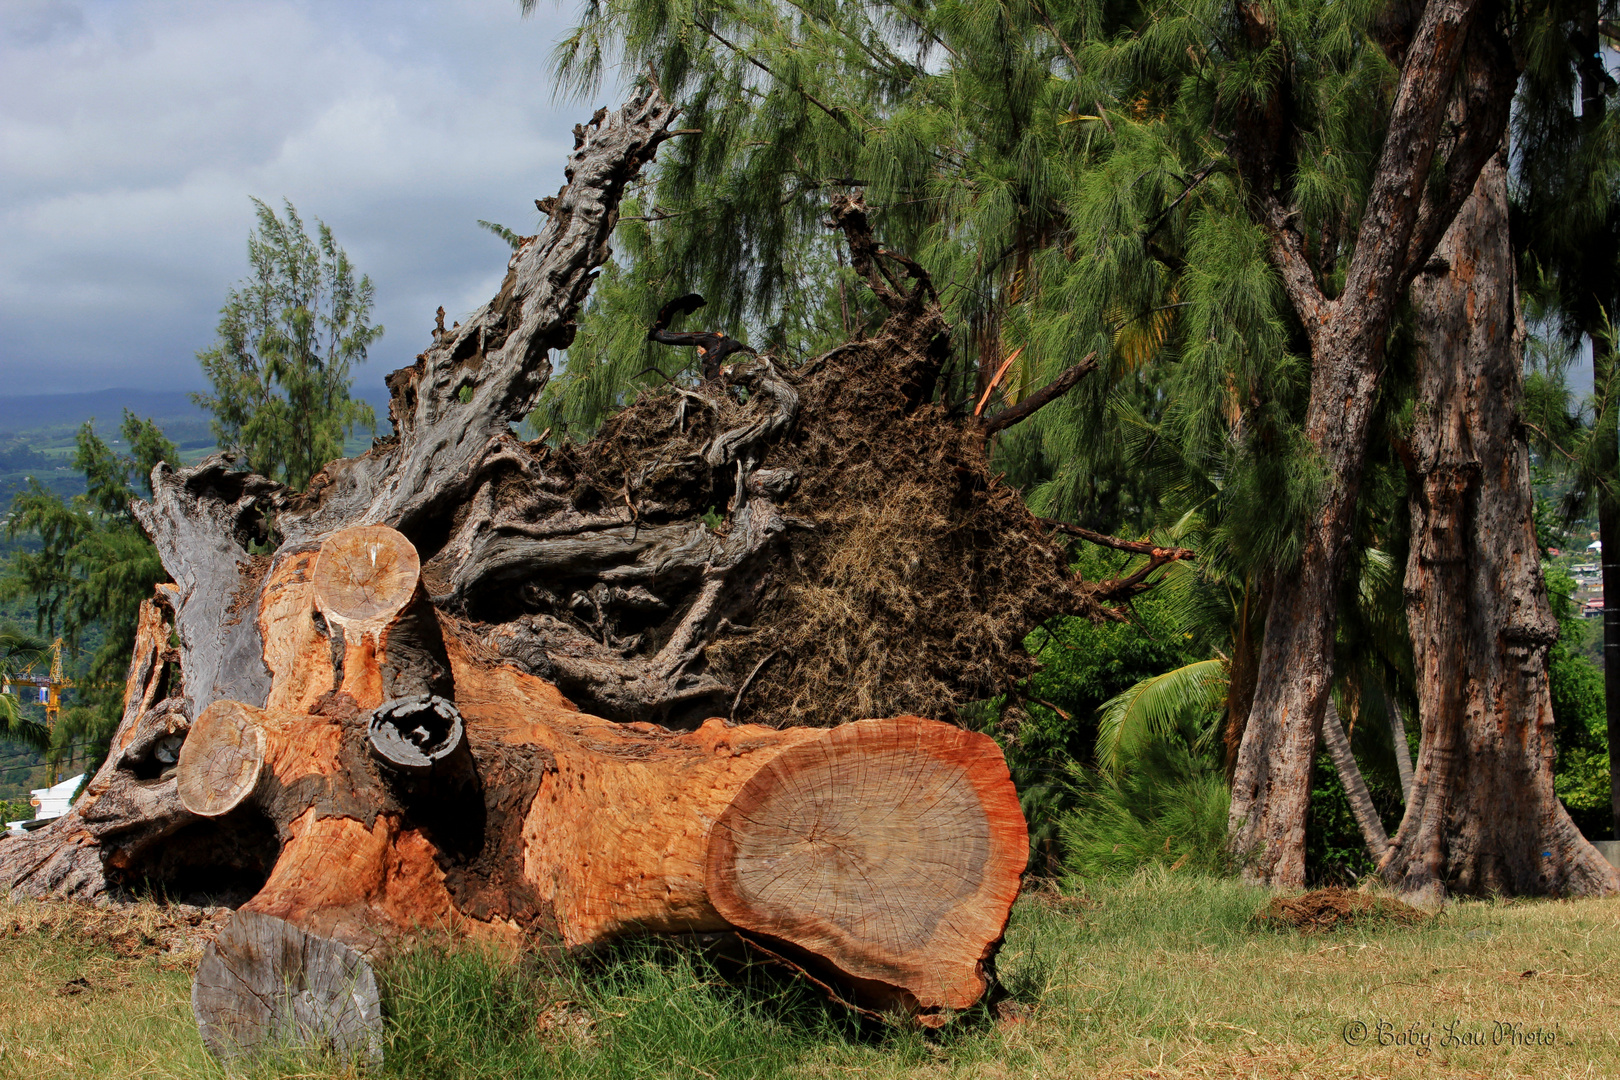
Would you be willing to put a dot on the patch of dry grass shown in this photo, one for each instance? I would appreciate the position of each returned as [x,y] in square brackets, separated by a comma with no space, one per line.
[100,992]
[1162,976]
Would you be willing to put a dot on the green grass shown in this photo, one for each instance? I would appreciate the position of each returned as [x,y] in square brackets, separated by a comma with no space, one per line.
[1161,974]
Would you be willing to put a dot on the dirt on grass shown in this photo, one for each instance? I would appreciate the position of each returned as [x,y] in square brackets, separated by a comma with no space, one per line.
[176,933]
[1334,908]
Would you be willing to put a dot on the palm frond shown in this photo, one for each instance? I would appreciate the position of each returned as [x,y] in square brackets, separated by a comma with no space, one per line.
[1155,707]
[18,728]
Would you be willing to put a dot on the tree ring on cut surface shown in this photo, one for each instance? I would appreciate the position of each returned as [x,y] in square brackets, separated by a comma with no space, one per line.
[364,576]
[413,733]
[266,985]
[891,848]
[221,759]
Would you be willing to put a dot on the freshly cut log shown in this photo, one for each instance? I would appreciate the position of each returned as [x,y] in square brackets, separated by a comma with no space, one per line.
[892,848]
[364,577]
[265,983]
[884,854]
[221,760]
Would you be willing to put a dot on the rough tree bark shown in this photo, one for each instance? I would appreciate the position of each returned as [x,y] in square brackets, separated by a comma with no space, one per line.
[1482,816]
[1403,751]
[1355,786]
[489,684]
[1450,46]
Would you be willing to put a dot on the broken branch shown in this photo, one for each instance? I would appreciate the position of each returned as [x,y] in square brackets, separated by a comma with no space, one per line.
[1041,398]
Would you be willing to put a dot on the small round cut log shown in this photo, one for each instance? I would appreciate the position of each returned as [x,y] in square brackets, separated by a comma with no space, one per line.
[265,985]
[365,576]
[221,759]
[412,734]
[891,848]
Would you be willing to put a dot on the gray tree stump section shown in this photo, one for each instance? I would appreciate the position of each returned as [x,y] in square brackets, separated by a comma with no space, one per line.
[413,734]
[266,985]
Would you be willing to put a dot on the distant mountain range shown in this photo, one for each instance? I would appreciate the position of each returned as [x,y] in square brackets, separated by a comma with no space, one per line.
[172,409]
[35,412]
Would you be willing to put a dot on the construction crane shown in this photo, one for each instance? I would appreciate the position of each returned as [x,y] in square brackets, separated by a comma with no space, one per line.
[50,691]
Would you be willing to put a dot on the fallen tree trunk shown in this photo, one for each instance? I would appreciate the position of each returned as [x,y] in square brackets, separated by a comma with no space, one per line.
[491,685]
[887,853]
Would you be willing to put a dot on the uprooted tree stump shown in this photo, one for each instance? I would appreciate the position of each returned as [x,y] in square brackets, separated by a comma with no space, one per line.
[499,689]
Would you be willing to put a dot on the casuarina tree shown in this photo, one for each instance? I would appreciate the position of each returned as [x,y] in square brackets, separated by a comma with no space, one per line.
[288,336]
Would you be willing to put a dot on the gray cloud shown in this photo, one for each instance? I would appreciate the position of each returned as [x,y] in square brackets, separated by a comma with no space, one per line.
[134,132]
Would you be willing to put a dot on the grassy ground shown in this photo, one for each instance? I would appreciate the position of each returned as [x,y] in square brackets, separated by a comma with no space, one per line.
[1157,977]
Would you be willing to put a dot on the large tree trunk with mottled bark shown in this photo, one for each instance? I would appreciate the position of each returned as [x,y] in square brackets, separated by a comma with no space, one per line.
[1605,366]
[1482,817]
[1452,56]
[498,687]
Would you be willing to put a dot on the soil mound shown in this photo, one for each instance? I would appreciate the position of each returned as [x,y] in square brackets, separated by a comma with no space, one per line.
[1333,908]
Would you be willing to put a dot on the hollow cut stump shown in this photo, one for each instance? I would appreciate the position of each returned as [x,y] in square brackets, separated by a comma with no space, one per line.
[417,784]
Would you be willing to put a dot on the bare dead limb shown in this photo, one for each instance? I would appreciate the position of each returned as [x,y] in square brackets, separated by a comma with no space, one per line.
[1041,398]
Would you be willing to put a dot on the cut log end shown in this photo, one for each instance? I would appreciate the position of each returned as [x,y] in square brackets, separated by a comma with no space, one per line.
[265,985]
[412,734]
[365,576]
[221,760]
[892,849]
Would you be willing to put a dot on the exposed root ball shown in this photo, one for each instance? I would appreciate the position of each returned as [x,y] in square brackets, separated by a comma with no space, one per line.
[912,575]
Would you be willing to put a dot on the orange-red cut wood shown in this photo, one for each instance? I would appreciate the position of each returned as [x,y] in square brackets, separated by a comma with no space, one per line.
[221,759]
[365,576]
[297,654]
[893,849]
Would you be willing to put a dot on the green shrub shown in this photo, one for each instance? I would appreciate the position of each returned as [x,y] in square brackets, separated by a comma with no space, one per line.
[1580,723]
[1167,807]
[1335,850]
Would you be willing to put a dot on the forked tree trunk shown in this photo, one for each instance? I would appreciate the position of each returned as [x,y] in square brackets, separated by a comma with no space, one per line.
[1483,816]
[1447,57]
[490,686]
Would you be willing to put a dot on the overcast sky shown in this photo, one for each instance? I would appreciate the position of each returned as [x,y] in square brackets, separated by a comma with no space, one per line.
[133,132]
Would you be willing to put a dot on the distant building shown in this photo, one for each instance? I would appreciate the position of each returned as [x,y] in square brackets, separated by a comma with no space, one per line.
[49,803]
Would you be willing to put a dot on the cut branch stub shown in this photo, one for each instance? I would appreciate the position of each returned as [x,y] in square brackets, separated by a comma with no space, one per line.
[412,734]
[918,824]
[365,576]
[266,984]
[221,759]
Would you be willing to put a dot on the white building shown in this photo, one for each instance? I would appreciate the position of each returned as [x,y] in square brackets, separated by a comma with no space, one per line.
[51,802]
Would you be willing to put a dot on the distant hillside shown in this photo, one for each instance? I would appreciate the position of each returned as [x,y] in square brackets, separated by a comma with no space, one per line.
[38,412]
[37,432]
[174,411]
